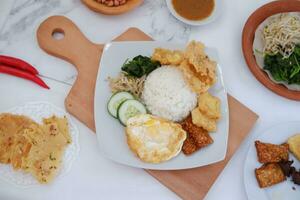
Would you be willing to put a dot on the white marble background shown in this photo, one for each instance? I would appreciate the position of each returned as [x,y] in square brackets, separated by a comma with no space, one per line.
[92,176]
[26,15]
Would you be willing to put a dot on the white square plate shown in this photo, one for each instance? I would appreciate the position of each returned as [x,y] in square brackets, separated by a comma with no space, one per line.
[111,134]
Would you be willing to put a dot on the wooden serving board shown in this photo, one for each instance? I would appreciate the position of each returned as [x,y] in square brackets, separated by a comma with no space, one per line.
[75,48]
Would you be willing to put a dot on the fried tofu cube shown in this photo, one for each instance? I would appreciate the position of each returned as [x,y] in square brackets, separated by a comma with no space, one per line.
[203,121]
[168,57]
[271,153]
[294,145]
[209,105]
[197,137]
[269,174]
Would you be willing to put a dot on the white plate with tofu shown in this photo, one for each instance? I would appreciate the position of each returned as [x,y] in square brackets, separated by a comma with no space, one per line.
[277,134]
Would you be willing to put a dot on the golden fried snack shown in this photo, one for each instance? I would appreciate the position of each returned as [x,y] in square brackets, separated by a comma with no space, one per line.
[13,146]
[61,123]
[294,145]
[48,144]
[197,82]
[197,137]
[269,174]
[271,153]
[37,149]
[168,57]
[203,121]
[197,57]
[209,105]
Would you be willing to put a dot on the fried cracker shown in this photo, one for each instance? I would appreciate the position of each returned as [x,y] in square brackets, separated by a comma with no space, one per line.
[197,57]
[197,82]
[269,174]
[168,57]
[271,153]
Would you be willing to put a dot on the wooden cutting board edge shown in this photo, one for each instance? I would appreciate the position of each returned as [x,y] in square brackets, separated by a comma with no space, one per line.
[173,180]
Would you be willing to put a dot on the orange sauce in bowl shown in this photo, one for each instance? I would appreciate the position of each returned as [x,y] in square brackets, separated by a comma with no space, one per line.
[194,9]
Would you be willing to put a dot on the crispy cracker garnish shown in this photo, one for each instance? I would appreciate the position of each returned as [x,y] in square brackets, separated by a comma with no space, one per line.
[271,153]
[199,84]
[197,57]
[269,174]
[199,71]
[197,137]
[168,57]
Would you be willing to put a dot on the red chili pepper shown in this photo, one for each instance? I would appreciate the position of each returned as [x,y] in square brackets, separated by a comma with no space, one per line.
[22,74]
[18,63]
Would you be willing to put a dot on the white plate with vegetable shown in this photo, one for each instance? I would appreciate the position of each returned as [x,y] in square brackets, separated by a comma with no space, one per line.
[113,109]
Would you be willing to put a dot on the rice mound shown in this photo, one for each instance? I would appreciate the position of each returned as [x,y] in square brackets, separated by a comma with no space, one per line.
[167,95]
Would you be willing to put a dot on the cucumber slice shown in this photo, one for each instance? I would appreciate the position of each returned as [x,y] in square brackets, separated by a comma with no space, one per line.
[130,108]
[116,100]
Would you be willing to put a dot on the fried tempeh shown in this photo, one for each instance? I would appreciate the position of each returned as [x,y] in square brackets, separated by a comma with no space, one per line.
[197,137]
[269,174]
[271,153]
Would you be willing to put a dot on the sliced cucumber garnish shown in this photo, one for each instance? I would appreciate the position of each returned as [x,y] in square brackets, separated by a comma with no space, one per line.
[116,100]
[130,108]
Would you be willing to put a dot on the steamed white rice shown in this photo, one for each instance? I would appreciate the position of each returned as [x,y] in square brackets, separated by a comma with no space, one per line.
[167,95]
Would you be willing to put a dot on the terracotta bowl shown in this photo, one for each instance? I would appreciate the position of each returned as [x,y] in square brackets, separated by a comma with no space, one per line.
[247,43]
[101,8]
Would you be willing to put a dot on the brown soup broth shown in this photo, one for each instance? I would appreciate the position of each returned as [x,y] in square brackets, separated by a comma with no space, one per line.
[194,9]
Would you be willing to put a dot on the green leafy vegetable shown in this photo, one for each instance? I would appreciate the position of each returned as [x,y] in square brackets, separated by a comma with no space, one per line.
[140,66]
[284,69]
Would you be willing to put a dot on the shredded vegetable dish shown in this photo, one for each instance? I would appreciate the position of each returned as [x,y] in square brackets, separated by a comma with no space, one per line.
[282,34]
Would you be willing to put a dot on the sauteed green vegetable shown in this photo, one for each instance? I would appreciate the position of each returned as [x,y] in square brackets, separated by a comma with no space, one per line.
[140,66]
[284,69]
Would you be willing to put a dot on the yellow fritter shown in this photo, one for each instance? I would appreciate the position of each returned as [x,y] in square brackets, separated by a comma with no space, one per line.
[203,121]
[209,105]
[61,123]
[168,57]
[37,149]
[13,146]
[294,145]
[153,139]
[49,142]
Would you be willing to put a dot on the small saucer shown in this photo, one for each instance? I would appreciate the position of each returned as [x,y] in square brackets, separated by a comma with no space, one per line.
[207,20]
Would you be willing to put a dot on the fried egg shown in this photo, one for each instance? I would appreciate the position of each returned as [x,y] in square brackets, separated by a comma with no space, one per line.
[153,139]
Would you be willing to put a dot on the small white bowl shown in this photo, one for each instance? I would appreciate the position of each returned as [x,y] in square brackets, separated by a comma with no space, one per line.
[207,20]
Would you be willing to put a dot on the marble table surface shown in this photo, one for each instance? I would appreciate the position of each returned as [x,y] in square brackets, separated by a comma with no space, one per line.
[93,176]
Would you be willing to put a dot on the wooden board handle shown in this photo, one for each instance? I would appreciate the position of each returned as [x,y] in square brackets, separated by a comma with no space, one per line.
[75,48]
[70,46]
